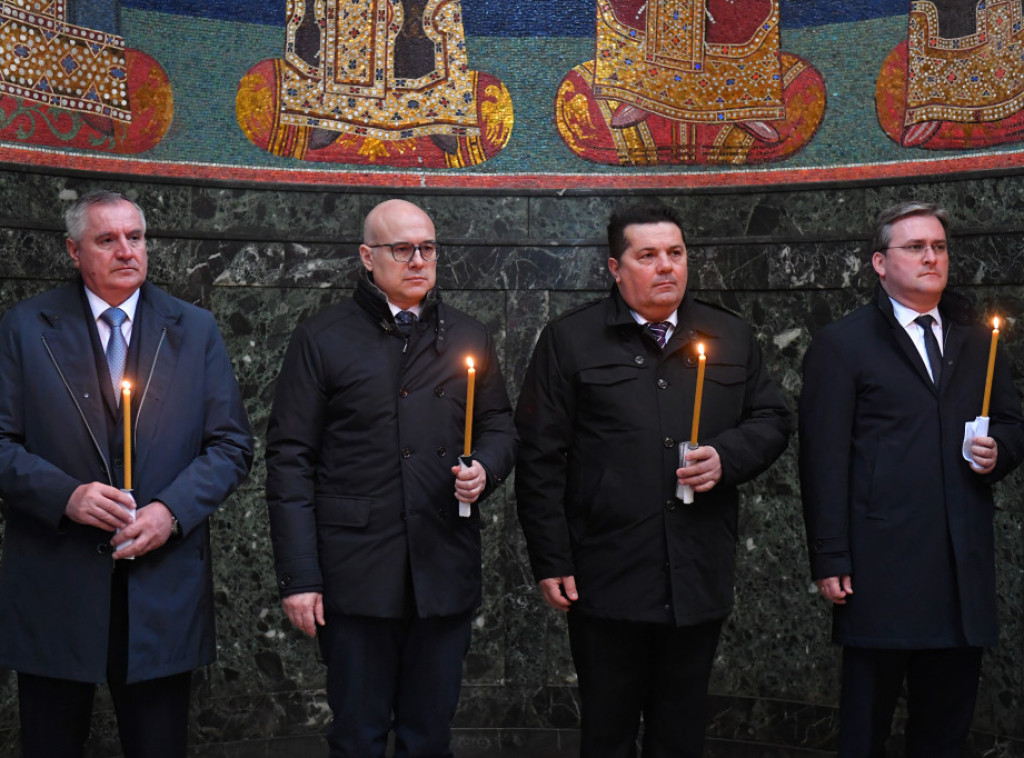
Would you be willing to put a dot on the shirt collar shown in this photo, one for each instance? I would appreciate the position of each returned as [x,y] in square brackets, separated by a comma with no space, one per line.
[905,316]
[672,319]
[395,310]
[98,305]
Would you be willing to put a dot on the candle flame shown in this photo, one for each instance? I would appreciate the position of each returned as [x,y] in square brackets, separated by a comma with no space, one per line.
[995,323]
[700,348]
[126,386]
[469,362]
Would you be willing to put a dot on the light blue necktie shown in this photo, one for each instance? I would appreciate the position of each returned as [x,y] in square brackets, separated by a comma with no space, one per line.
[117,347]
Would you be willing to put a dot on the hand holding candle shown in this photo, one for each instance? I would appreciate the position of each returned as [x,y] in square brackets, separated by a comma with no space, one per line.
[701,361]
[470,387]
[991,367]
[126,410]
[684,491]
[465,461]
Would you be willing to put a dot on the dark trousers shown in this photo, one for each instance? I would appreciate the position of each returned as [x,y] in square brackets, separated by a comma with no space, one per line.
[152,716]
[941,687]
[627,670]
[400,674]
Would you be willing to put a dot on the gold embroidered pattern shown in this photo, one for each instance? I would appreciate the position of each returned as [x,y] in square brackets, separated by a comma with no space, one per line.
[45,59]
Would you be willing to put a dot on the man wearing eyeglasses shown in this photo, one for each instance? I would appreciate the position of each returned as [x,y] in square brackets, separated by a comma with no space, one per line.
[375,523]
[899,522]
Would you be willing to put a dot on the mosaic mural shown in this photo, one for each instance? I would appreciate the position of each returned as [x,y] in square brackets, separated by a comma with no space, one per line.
[68,79]
[585,93]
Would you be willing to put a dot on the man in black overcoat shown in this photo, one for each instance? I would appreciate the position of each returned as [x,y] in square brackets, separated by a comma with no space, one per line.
[375,525]
[646,578]
[899,522]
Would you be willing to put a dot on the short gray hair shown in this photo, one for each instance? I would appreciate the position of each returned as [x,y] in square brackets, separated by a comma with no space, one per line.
[74,217]
[888,218]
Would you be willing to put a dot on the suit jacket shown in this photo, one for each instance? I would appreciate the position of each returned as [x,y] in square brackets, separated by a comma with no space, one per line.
[192,449]
[600,416]
[888,497]
[366,425]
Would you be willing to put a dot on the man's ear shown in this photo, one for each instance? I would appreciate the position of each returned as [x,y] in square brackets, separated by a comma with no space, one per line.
[366,255]
[72,250]
[613,267]
[878,262]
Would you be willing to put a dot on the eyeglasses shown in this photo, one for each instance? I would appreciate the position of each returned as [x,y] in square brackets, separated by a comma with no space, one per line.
[919,247]
[403,252]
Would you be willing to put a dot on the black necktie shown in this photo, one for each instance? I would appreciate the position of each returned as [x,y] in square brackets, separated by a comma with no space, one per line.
[931,346]
[660,331]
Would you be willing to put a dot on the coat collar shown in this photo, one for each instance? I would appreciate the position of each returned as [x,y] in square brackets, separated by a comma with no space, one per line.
[689,326]
[373,300]
[957,315]
[68,334]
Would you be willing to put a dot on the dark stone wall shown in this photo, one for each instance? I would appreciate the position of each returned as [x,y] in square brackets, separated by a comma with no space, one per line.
[790,260]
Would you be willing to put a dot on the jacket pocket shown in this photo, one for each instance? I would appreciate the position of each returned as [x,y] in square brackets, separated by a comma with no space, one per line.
[333,510]
[725,375]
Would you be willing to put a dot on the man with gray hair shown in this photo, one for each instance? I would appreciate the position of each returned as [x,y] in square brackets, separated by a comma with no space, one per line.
[106,570]
[898,497]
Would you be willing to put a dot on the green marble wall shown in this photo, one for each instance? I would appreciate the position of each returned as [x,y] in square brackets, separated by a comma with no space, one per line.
[790,260]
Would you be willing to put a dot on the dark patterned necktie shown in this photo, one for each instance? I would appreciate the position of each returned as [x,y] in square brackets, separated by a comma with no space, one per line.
[660,331]
[117,347]
[405,320]
[931,346]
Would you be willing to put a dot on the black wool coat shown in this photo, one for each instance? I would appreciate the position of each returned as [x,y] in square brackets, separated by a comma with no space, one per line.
[888,497]
[366,425]
[600,416]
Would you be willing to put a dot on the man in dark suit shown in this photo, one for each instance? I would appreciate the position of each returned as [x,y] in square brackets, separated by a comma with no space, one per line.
[647,580]
[376,527]
[899,523]
[74,610]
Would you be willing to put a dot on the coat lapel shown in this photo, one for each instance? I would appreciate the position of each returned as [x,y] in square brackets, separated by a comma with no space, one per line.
[903,340]
[159,349]
[68,337]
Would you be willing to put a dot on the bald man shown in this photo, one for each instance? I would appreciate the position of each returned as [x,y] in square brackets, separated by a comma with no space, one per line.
[375,522]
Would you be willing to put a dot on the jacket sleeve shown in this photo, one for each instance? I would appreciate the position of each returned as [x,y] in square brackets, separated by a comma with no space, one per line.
[750,447]
[544,417]
[826,413]
[226,450]
[494,433]
[27,481]
[294,434]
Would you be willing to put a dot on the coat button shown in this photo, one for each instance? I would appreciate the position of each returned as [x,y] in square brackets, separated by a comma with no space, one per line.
[671,504]
[439,391]
[442,452]
[690,361]
[663,384]
[284,581]
[403,392]
[638,360]
[406,452]
[669,442]
[104,548]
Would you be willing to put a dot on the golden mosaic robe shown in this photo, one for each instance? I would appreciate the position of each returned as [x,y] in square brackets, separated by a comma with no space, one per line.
[50,60]
[965,60]
[692,60]
[386,69]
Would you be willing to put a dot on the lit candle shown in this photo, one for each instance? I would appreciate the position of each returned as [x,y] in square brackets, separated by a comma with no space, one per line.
[470,388]
[126,409]
[991,366]
[700,394]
